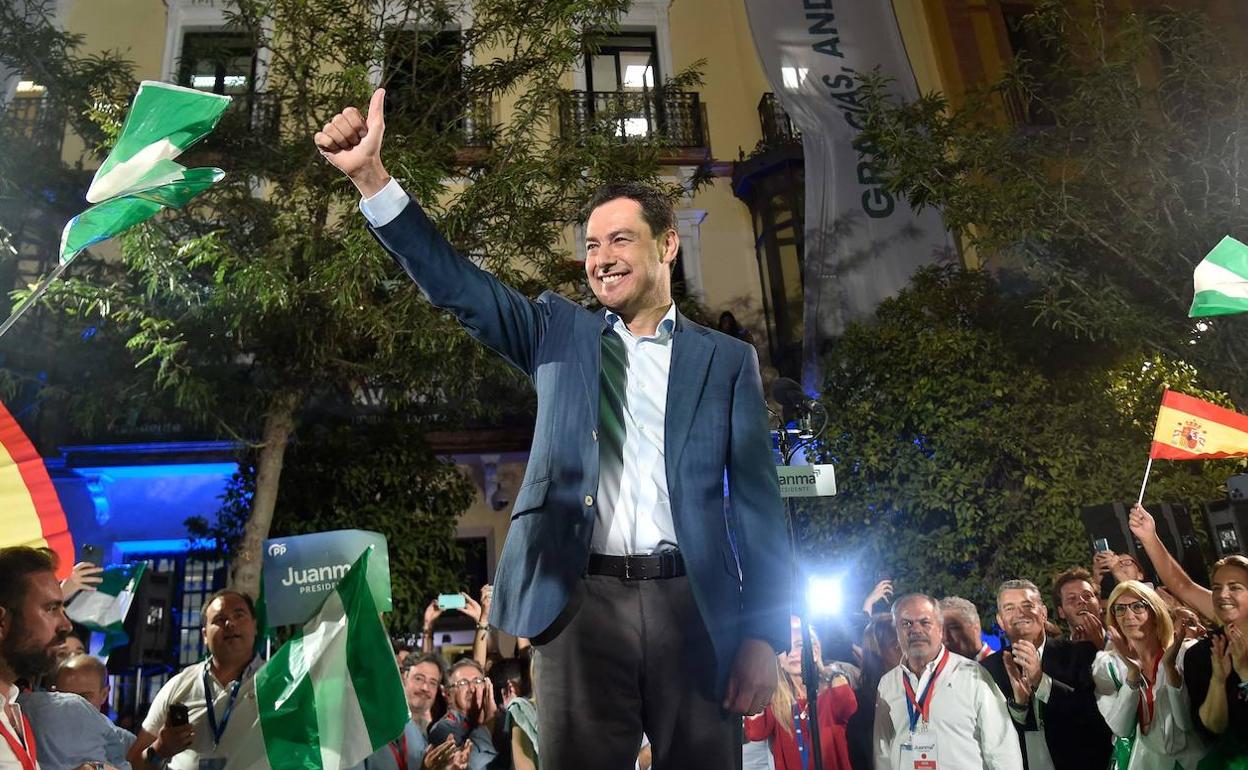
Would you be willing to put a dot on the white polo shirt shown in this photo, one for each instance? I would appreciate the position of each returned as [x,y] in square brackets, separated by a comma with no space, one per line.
[187,688]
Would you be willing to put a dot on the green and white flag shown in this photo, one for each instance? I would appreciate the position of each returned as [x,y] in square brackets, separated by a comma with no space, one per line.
[139,177]
[1221,281]
[105,608]
[332,695]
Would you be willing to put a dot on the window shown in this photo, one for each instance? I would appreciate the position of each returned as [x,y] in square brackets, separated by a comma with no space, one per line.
[423,76]
[620,76]
[219,62]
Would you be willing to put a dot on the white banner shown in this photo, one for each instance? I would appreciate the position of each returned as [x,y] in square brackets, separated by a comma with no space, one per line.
[806,480]
[862,243]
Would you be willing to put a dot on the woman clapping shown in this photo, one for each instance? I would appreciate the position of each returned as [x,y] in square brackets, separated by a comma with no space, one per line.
[1139,685]
[1216,670]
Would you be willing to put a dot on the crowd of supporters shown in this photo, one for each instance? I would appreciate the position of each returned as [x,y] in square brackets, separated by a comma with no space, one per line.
[1125,674]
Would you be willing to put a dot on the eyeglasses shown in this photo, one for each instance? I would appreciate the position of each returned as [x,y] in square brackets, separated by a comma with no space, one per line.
[420,680]
[1136,607]
[467,682]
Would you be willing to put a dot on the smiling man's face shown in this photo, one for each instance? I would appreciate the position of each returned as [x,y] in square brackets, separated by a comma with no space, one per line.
[1021,614]
[628,266]
[229,629]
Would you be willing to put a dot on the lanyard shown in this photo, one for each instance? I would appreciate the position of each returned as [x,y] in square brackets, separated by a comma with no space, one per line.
[922,705]
[25,754]
[1148,699]
[218,729]
[800,734]
[399,750]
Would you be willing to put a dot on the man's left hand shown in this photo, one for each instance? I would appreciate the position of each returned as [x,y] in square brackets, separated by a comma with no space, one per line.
[1028,659]
[753,678]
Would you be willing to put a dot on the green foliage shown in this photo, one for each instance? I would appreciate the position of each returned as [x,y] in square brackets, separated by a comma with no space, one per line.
[967,438]
[1117,169]
[385,479]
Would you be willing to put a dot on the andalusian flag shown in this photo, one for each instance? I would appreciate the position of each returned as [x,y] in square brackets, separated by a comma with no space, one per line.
[105,608]
[1221,280]
[332,695]
[30,512]
[139,177]
[1191,429]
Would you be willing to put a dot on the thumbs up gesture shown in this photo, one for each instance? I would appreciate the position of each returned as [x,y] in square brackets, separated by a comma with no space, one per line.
[352,143]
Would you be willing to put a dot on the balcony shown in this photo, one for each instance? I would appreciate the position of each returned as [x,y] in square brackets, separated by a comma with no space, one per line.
[37,118]
[252,118]
[778,128]
[677,118]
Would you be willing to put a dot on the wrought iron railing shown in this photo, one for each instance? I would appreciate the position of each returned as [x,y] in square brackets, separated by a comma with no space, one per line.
[251,117]
[778,128]
[673,116]
[38,118]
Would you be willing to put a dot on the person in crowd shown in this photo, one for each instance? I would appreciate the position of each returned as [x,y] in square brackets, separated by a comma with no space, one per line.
[881,653]
[1139,684]
[786,722]
[402,649]
[1216,669]
[729,325]
[963,632]
[1109,569]
[218,694]
[33,627]
[422,685]
[480,614]
[1169,572]
[1048,687]
[69,728]
[422,676]
[470,714]
[73,646]
[517,740]
[937,704]
[602,518]
[882,592]
[1078,604]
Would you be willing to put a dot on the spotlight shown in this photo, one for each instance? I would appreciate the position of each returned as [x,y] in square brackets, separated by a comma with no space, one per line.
[824,595]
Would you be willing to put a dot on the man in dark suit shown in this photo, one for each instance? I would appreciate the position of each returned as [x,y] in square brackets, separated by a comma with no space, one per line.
[1048,687]
[653,605]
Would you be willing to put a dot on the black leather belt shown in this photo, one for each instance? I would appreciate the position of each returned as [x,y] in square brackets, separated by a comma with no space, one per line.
[659,566]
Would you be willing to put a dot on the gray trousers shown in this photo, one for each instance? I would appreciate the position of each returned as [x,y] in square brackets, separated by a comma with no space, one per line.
[627,657]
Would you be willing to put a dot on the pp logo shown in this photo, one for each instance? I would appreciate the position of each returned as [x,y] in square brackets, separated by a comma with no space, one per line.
[277,549]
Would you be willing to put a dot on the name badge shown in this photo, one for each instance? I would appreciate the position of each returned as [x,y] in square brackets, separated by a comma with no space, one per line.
[919,753]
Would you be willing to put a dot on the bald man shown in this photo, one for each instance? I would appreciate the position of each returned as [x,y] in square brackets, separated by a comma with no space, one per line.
[69,729]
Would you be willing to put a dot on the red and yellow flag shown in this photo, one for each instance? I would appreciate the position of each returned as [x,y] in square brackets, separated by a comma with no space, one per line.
[30,512]
[1191,429]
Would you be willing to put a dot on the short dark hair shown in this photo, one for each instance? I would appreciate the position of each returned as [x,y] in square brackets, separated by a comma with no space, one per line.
[17,563]
[1070,576]
[511,670]
[656,208]
[203,613]
[412,661]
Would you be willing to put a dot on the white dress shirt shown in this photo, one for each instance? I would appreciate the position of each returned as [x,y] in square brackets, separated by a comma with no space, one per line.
[1172,742]
[969,718]
[14,727]
[633,512]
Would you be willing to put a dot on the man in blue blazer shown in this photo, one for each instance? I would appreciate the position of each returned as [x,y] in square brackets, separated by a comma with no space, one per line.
[655,602]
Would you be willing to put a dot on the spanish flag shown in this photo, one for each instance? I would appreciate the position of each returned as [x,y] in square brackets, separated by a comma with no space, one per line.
[1191,429]
[30,512]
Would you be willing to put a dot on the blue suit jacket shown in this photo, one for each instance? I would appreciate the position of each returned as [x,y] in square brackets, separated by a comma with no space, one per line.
[737,555]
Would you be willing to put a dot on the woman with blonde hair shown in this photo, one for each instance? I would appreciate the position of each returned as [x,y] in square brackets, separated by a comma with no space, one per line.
[785,723]
[1216,670]
[1139,685]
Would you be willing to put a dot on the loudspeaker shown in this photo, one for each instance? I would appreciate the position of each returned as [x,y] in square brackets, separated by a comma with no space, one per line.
[1227,521]
[1174,528]
[150,625]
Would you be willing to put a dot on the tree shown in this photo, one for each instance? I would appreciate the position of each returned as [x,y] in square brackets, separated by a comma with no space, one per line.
[268,295]
[1119,170]
[967,438]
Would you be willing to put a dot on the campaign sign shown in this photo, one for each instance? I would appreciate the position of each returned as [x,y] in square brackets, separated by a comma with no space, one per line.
[806,480]
[300,571]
